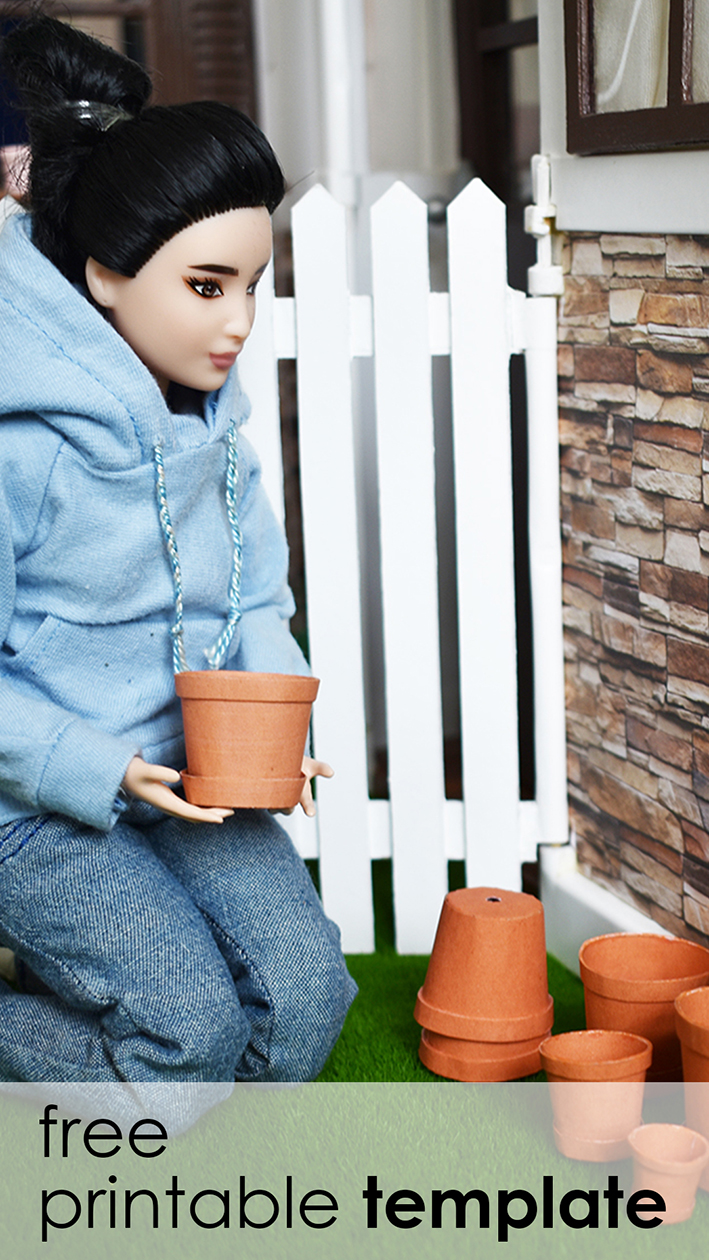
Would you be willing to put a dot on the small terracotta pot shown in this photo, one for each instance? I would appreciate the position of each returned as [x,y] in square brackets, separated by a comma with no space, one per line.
[244,737]
[692,1022]
[630,983]
[485,1003]
[669,1159]
[596,1083]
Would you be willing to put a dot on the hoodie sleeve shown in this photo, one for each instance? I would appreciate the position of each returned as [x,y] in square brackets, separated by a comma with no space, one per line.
[50,759]
[265,643]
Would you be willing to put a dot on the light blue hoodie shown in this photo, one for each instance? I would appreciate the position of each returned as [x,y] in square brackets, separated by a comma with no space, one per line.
[86,592]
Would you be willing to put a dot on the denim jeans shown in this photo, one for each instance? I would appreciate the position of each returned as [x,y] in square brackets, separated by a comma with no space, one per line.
[171,951]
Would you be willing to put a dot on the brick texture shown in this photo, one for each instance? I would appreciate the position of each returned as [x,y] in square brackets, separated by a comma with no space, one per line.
[634,433]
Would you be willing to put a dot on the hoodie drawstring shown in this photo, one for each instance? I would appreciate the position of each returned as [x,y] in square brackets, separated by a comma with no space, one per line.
[217,653]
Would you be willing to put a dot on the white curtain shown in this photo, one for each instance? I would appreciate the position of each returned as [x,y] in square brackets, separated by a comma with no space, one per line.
[700,51]
[630,53]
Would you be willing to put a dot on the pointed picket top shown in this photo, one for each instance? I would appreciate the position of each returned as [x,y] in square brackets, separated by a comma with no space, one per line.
[317,200]
[479,203]
[398,198]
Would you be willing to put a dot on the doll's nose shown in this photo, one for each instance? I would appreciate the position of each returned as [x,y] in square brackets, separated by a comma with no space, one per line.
[240,319]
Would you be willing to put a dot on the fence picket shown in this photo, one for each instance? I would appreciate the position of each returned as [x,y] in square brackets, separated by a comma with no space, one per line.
[406,465]
[483,485]
[331,558]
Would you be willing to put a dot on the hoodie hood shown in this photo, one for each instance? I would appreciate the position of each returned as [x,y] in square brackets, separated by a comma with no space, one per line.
[89,386]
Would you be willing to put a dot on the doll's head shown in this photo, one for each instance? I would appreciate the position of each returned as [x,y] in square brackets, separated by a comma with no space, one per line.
[111,178]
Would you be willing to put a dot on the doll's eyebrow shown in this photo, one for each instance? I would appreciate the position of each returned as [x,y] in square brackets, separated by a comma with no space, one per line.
[216,267]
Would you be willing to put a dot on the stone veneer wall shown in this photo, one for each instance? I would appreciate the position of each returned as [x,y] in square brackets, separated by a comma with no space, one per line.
[634,415]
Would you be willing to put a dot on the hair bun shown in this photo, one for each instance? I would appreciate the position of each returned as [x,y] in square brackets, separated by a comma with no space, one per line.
[72,89]
[52,63]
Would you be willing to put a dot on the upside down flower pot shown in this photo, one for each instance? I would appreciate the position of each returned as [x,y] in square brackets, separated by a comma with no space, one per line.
[485,1004]
[245,737]
[669,1159]
[692,1022]
[630,982]
[596,1083]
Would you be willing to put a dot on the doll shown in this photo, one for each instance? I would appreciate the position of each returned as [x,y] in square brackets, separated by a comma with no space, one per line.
[156,941]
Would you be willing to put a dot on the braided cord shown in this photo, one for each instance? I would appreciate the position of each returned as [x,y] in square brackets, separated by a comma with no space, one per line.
[179,660]
[216,654]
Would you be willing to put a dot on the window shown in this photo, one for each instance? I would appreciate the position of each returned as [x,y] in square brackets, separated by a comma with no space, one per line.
[637,74]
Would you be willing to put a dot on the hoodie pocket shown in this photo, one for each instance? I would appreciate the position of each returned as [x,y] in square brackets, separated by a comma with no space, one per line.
[22,653]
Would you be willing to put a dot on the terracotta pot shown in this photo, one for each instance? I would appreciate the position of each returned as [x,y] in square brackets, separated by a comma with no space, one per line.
[462,1060]
[630,983]
[596,1082]
[485,1003]
[245,737]
[669,1159]
[692,1022]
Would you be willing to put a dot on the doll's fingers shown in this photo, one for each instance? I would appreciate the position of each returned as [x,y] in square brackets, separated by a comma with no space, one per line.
[161,774]
[311,767]
[164,799]
[195,813]
[141,776]
[149,783]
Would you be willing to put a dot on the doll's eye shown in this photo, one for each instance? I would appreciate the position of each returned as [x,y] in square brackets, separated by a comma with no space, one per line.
[204,288]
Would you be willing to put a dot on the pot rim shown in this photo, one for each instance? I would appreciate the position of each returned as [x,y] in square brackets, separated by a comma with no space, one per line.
[557,1059]
[643,989]
[238,684]
[483,1027]
[672,1167]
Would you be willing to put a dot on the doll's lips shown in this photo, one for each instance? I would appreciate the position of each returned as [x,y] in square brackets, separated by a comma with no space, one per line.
[223,362]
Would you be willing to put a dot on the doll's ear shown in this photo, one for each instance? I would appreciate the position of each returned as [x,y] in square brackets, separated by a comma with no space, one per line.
[101,283]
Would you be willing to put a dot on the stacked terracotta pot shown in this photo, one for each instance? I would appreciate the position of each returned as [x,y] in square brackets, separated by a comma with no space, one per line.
[630,984]
[485,1005]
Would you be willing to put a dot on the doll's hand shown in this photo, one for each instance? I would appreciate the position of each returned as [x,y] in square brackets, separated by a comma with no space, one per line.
[148,783]
[310,768]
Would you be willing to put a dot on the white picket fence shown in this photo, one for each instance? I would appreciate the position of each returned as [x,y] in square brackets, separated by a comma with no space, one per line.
[478,324]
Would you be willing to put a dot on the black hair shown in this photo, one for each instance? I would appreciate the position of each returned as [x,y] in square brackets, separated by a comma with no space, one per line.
[115,184]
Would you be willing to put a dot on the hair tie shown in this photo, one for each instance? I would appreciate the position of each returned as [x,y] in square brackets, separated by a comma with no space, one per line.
[98,113]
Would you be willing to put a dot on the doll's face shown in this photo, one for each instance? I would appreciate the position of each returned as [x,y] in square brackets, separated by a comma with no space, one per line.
[189,310]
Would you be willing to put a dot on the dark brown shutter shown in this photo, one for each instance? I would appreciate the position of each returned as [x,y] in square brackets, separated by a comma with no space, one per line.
[202,49]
